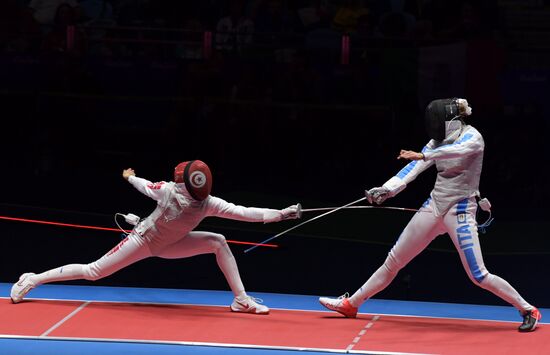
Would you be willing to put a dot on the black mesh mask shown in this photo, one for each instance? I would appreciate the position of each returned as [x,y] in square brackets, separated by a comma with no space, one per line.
[437,113]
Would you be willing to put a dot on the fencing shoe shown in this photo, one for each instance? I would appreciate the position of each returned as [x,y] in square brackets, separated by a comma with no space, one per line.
[530,320]
[20,289]
[340,305]
[249,304]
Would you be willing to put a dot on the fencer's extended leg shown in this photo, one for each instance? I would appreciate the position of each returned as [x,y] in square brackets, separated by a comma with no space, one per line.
[416,236]
[463,231]
[196,243]
[127,252]
[462,227]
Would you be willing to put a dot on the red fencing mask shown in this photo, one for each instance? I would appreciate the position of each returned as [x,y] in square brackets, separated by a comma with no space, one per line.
[196,176]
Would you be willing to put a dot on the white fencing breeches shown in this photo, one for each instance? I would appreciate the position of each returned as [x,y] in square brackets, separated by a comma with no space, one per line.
[134,248]
[460,223]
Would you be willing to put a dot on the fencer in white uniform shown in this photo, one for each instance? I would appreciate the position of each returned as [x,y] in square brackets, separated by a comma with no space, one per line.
[168,233]
[456,149]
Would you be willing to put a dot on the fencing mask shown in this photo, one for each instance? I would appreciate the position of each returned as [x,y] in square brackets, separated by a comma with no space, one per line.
[441,111]
[196,176]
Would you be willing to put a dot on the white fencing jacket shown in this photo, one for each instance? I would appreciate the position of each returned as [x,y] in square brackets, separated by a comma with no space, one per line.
[458,160]
[177,213]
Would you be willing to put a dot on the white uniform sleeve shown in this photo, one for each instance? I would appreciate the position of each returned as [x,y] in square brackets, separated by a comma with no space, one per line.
[469,143]
[153,190]
[406,175]
[220,208]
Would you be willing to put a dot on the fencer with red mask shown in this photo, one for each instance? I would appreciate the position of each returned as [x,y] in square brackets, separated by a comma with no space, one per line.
[168,232]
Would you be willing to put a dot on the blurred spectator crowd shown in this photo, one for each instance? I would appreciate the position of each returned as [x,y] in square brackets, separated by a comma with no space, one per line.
[273,64]
[30,25]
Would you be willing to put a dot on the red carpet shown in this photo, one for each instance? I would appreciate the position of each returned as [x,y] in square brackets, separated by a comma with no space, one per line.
[282,328]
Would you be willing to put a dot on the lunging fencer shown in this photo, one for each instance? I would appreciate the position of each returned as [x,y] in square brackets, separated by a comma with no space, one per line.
[456,149]
[168,233]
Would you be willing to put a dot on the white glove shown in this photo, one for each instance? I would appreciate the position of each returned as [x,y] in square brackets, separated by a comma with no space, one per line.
[377,195]
[291,212]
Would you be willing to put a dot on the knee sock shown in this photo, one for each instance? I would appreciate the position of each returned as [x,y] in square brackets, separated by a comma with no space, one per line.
[504,290]
[62,273]
[376,283]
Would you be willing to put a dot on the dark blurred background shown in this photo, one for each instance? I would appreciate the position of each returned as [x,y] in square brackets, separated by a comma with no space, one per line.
[288,101]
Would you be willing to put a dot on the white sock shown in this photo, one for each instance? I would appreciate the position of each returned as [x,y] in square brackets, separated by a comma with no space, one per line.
[228,265]
[376,283]
[62,273]
[504,290]
[241,296]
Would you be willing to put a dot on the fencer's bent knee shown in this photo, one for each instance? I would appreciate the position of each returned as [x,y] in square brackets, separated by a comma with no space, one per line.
[477,274]
[392,264]
[92,272]
[217,241]
[479,280]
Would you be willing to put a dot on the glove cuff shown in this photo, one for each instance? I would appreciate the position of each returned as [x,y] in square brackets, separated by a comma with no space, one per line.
[394,185]
[272,216]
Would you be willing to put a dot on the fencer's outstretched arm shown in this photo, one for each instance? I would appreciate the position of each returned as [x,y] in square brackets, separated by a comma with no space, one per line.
[398,182]
[221,208]
[146,187]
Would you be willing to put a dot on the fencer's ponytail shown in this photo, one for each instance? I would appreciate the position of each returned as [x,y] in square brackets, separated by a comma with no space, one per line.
[463,108]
